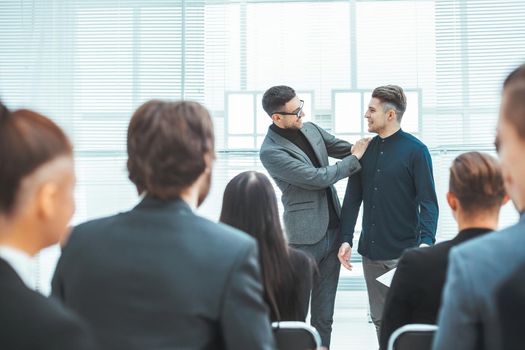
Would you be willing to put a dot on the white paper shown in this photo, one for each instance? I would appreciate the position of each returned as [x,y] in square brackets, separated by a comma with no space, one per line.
[386,278]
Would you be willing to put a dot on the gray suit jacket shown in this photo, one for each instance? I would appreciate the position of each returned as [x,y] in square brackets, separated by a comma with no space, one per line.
[468,318]
[303,185]
[161,277]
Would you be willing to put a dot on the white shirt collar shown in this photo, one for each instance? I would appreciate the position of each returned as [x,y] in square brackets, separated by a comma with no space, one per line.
[22,263]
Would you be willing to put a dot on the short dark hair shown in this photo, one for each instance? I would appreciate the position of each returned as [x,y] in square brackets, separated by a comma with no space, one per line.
[477,182]
[167,145]
[392,97]
[250,204]
[28,140]
[276,97]
[514,88]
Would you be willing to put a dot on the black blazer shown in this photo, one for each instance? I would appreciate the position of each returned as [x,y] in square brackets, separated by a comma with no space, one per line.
[161,277]
[30,321]
[415,293]
[510,303]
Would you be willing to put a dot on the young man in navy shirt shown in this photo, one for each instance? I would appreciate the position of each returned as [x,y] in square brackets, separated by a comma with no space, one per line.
[396,187]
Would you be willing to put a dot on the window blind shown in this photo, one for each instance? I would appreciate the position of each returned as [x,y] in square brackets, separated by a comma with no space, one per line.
[89,64]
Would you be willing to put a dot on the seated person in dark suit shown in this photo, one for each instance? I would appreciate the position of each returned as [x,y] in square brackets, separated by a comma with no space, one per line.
[160,276]
[36,203]
[476,194]
[250,205]
[510,300]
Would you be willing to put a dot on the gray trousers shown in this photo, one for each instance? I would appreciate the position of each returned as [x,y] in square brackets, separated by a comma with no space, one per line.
[324,282]
[376,290]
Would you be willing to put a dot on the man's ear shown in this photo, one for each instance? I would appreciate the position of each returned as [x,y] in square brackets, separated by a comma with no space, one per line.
[45,199]
[275,117]
[209,158]
[452,201]
[391,115]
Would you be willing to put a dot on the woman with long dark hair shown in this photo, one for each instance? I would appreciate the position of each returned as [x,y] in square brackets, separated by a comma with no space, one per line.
[37,180]
[250,205]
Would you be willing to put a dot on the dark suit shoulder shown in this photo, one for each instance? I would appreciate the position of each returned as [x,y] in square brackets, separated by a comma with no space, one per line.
[51,317]
[91,231]
[219,240]
[59,327]
[430,252]
[426,253]
[411,258]
[408,269]
[31,321]
[226,234]
[418,261]
[95,225]
[269,148]
[217,231]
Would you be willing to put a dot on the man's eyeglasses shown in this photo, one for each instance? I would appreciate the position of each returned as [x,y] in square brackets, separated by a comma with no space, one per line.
[297,112]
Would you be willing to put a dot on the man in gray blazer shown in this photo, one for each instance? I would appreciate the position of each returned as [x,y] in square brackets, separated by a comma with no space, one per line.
[468,317]
[296,156]
[159,276]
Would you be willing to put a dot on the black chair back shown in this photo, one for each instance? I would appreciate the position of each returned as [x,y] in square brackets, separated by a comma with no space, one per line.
[292,335]
[412,337]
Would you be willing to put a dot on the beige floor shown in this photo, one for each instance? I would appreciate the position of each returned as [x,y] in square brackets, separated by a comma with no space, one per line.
[352,329]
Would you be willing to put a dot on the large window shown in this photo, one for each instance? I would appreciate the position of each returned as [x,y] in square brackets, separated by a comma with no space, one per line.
[89,63]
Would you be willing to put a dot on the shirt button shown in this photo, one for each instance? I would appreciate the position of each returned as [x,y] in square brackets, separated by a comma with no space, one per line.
[373,242]
[373,224]
[378,170]
[375,188]
[381,152]
[373,206]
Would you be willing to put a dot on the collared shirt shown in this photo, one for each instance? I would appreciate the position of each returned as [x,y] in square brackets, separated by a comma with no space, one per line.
[396,186]
[297,138]
[22,263]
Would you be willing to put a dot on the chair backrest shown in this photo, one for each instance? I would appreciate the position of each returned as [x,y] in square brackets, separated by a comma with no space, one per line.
[412,337]
[294,335]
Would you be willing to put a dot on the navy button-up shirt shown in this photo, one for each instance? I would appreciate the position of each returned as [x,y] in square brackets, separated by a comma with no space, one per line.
[396,187]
